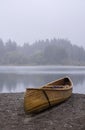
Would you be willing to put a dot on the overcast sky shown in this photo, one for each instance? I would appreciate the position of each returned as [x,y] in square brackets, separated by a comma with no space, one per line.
[30,20]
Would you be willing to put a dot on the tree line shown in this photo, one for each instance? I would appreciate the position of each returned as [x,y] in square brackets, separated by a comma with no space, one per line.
[42,52]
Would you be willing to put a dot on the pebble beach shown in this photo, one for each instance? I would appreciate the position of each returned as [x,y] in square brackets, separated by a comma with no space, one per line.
[69,115]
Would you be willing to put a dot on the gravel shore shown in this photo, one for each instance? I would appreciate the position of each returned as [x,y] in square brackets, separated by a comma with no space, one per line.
[69,115]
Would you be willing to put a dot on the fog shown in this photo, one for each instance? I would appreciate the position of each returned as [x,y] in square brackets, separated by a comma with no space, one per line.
[31,20]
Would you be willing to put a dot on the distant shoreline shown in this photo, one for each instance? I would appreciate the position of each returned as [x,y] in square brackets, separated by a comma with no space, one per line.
[42,65]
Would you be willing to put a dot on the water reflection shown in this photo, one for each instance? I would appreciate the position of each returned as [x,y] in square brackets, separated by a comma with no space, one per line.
[17,81]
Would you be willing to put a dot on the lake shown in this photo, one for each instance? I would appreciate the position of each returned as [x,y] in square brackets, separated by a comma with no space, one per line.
[18,78]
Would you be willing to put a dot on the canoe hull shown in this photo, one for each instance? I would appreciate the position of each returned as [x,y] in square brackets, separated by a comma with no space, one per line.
[34,105]
[36,100]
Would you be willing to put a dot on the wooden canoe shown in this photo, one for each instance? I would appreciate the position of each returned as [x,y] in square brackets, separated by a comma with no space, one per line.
[38,99]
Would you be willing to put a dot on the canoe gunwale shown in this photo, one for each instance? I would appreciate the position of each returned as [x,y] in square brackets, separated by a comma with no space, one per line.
[49,89]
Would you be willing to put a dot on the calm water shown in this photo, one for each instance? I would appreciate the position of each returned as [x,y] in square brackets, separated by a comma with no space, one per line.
[16,79]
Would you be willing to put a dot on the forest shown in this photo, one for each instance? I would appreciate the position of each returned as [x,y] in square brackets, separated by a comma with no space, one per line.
[42,52]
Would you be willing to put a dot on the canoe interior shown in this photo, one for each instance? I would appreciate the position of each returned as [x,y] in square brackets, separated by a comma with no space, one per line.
[61,82]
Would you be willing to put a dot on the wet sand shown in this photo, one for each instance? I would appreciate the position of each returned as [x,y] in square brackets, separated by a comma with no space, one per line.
[69,115]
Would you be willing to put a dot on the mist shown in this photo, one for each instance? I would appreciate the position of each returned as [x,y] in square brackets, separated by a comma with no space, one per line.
[31,20]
